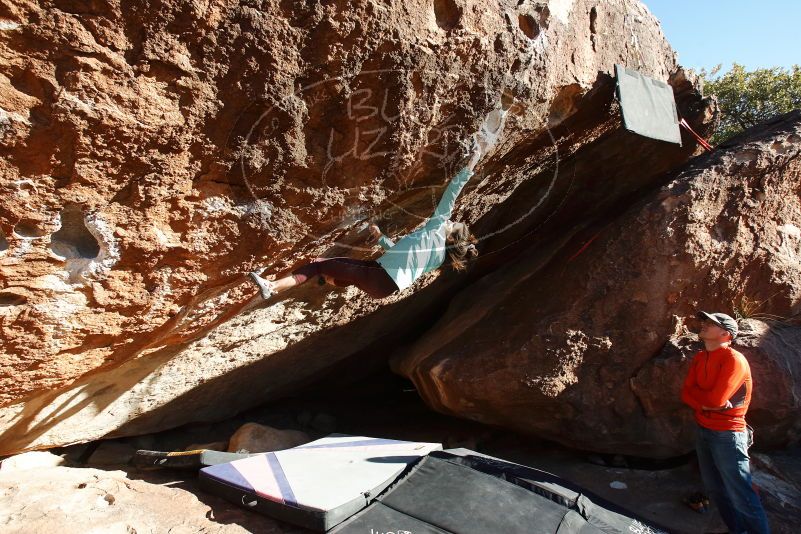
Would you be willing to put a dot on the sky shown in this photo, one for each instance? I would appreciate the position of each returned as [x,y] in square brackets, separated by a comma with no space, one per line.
[756,34]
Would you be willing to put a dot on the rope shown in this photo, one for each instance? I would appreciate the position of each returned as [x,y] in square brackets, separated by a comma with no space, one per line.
[701,140]
[582,249]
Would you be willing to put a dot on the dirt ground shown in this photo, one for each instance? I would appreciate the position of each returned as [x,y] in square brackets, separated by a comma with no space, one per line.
[652,489]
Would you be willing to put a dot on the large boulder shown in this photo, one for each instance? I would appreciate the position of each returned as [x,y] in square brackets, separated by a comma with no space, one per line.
[155,151]
[586,340]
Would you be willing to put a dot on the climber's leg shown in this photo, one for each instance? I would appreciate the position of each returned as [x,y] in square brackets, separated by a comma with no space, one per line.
[367,275]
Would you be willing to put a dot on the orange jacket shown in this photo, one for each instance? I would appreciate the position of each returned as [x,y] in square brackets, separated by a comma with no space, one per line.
[714,378]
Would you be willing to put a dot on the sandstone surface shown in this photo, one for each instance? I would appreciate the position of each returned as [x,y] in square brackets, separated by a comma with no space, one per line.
[154,152]
[69,500]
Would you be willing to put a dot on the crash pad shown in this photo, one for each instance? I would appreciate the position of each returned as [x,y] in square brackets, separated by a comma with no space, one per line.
[648,106]
[316,485]
[463,492]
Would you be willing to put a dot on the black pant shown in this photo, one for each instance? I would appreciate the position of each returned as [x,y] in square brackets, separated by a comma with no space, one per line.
[367,275]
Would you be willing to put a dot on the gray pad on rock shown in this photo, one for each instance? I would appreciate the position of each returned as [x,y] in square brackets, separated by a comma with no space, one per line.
[647,105]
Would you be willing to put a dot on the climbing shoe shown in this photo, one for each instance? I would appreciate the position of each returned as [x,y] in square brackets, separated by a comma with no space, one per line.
[265,286]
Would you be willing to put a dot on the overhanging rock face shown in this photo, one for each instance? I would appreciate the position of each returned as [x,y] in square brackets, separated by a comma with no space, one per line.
[569,341]
[153,153]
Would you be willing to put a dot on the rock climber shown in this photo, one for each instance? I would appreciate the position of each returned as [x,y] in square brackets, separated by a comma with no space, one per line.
[413,255]
[718,389]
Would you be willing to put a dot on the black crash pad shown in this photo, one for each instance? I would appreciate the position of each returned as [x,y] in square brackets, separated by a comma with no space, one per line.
[464,492]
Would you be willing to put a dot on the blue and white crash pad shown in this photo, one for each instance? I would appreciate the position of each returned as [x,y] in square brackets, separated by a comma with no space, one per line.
[317,485]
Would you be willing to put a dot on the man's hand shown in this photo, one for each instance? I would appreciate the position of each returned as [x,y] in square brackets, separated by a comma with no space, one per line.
[726,406]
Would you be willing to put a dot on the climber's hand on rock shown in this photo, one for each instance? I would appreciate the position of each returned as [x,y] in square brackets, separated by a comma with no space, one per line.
[475,153]
[491,129]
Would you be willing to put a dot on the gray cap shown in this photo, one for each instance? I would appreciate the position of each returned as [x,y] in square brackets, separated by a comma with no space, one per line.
[724,321]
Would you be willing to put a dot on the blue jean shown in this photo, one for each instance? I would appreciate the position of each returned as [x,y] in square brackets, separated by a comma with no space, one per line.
[725,468]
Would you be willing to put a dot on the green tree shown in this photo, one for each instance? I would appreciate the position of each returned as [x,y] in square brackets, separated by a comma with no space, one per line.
[748,98]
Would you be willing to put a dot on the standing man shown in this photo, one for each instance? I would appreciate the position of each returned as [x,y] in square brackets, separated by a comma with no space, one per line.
[718,389]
